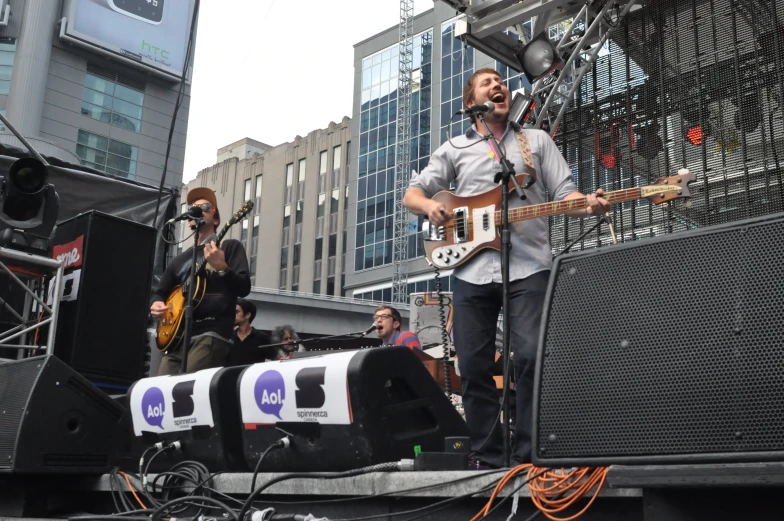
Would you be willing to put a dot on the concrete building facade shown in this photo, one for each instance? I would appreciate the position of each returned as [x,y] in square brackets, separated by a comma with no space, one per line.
[295,235]
[441,66]
[81,106]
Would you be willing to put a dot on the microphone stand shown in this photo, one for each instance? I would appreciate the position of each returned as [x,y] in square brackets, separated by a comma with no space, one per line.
[599,221]
[186,335]
[506,175]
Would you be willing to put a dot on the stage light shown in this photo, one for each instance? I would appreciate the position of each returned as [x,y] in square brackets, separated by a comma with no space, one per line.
[29,206]
[696,135]
[538,58]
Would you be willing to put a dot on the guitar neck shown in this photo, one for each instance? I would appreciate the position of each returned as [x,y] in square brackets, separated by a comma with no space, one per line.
[561,207]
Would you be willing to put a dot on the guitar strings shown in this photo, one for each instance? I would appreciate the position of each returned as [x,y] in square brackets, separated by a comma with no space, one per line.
[534,210]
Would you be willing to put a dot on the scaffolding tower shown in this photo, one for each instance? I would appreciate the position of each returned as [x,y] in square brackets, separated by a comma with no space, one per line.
[403,153]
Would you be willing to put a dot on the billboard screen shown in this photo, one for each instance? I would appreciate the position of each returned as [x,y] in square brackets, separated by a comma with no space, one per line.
[152,33]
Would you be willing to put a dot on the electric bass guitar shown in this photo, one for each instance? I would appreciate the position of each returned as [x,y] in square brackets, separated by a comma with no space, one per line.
[172,325]
[476,221]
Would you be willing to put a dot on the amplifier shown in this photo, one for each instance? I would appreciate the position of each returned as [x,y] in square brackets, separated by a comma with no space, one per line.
[668,350]
[54,421]
[344,410]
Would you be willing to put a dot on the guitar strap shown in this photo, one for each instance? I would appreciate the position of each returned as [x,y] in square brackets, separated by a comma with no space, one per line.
[525,150]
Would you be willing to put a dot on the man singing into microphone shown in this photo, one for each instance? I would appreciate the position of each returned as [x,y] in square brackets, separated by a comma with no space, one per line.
[387,321]
[477,291]
[227,277]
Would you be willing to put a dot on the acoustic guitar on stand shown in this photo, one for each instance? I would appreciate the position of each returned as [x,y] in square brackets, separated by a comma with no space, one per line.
[477,218]
[172,326]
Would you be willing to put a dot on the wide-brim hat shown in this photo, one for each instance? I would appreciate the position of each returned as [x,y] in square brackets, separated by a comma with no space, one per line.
[202,192]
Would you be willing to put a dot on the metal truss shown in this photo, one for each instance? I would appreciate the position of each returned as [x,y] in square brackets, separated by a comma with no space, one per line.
[403,153]
[31,273]
[591,25]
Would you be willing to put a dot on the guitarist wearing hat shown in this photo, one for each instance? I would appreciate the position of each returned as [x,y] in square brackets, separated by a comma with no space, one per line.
[227,277]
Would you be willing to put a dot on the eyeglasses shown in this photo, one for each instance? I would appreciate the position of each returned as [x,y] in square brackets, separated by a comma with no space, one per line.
[206,207]
[376,318]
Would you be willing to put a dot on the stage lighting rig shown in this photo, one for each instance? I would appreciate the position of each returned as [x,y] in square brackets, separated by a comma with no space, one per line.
[29,204]
[539,58]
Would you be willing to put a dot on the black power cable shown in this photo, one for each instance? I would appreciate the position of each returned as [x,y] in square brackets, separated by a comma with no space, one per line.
[178,102]
[280,444]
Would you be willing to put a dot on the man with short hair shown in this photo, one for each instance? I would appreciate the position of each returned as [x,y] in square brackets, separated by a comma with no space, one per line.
[226,276]
[471,163]
[247,339]
[388,320]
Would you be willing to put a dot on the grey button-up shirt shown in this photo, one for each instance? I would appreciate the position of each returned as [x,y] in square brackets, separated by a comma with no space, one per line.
[473,170]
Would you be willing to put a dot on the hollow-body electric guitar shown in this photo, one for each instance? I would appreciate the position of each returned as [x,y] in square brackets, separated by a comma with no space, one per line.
[477,218]
[172,325]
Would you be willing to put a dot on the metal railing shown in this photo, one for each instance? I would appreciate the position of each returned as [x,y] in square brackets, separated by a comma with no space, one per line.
[326,298]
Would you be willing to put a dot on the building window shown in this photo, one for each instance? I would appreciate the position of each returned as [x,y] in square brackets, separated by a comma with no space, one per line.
[258,188]
[301,179]
[107,155]
[348,160]
[336,166]
[289,181]
[457,65]
[254,248]
[110,98]
[247,190]
[377,146]
[244,233]
[317,287]
[7,51]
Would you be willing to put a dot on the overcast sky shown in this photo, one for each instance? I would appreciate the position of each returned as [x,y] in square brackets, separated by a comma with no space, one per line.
[272,69]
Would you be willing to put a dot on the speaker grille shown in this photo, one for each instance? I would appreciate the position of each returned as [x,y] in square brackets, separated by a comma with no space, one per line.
[671,347]
[16,382]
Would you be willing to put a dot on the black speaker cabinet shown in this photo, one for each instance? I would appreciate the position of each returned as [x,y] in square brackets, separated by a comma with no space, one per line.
[101,328]
[670,350]
[344,410]
[54,421]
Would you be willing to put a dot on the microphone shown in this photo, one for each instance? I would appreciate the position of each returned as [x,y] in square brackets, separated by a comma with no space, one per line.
[486,108]
[194,212]
[372,328]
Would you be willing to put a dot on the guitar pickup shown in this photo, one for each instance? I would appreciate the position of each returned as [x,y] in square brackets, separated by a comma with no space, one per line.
[432,233]
[460,221]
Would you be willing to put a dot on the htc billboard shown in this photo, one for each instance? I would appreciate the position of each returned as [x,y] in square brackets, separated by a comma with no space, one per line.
[152,34]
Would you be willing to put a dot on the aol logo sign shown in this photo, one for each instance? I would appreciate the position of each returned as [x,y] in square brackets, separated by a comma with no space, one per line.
[270,391]
[153,407]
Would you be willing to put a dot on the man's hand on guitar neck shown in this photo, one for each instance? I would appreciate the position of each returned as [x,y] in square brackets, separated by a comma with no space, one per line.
[596,204]
[215,257]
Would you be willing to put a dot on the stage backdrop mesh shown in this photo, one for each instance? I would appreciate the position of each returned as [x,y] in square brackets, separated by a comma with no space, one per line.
[683,83]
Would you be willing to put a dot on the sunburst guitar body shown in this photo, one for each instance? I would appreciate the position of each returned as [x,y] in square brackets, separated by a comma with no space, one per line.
[477,218]
[172,325]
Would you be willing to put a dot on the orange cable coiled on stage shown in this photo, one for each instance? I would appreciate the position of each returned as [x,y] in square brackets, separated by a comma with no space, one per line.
[553,491]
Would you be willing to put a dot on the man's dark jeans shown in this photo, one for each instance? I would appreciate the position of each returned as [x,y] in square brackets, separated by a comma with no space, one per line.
[476,309]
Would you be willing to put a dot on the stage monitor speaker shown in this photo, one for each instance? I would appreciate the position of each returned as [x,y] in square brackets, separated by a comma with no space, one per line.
[668,350]
[54,421]
[101,328]
[344,410]
[199,410]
